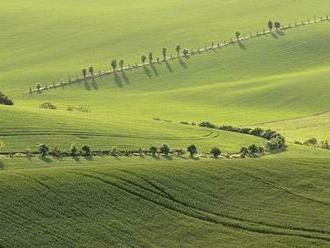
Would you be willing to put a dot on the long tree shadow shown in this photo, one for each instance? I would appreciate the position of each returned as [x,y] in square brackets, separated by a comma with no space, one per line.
[241,45]
[118,80]
[280,32]
[147,71]
[45,159]
[168,66]
[183,63]
[273,35]
[87,85]
[94,84]
[154,69]
[125,77]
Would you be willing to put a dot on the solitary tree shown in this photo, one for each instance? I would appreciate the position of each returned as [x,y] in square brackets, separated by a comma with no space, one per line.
[151,58]
[216,152]
[43,149]
[114,65]
[238,34]
[270,25]
[192,150]
[165,149]
[177,49]
[86,151]
[277,25]
[143,59]
[84,72]
[121,64]
[164,53]
[91,70]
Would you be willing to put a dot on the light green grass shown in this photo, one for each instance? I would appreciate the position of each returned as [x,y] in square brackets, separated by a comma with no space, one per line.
[278,81]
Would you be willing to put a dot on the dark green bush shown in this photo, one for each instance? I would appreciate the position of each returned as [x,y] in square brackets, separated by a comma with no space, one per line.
[5,100]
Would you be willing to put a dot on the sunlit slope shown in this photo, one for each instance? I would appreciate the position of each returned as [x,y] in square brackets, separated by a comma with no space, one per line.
[42,42]
[177,204]
[269,79]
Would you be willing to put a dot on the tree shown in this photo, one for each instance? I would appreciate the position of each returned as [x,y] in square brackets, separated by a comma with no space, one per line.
[91,70]
[151,58]
[164,53]
[192,150]
[56,152]
[143,59]
[153,150]
[86,151]
[270,25]
[73,150]
[43,150]
[114,65]
[185,52]
[84,73]
[277,25]
[38,87]
[165,149]
[121,64]
[177,49]
[238,34]
[216,152]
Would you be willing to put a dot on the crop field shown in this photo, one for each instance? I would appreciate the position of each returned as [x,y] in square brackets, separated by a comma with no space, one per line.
[276,80]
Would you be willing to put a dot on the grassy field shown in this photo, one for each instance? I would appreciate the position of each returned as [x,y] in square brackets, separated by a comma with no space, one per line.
[278,81]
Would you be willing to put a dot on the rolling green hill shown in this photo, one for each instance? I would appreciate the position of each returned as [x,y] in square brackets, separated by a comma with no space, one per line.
[278,81]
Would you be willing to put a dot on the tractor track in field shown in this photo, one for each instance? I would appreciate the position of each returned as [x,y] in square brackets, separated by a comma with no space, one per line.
[207,216]
[282,188]
[293,119]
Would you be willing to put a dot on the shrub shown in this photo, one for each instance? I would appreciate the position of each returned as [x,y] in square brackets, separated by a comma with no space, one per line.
[253,148]
[256,131]
[43,150]
[311,141]
[56,152]
[165,149]
[186,52]
[153,150]
[5,100]
[48,105]
[207,124]
[86,151]
[192,150]
[324,144]
[216,152]
[179,152]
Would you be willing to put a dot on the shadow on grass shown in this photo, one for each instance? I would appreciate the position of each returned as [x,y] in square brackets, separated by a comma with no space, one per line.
[168,66]
[241,45]
[280,32]
[147,71]
[87,85]
[273,35]
[94,84]
[183,63]
[168,157]
[2,165]
[154,69]
[125,77]
[118,80]
[155,156]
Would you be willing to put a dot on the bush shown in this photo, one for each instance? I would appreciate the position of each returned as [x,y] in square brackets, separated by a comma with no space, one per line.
[43,150]
[56,152]
[207,124]
[324,144]
[311,141]
[165,149]
[48,105]
[192,150]
[5,100]
[216,152]
[244,152]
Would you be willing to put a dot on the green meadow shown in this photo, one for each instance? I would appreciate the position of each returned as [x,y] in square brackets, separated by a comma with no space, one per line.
[277,81]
